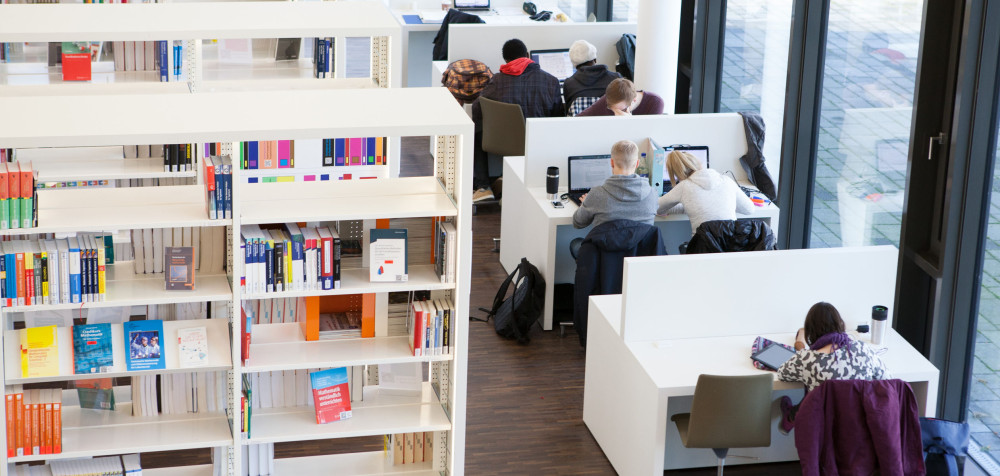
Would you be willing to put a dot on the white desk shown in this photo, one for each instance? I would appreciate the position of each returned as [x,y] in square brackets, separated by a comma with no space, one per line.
[532,228]
[632,389]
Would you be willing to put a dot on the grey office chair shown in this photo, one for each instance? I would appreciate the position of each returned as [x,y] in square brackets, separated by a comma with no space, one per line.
[728,412]
[503,127]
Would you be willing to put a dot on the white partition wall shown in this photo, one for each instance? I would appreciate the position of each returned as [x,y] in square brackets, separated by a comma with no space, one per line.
[742,294]
[548,142]
[484,42]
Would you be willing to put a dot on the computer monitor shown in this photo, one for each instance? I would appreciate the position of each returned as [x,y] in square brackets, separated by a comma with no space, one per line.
[588,171]
[554,62]
[460,4]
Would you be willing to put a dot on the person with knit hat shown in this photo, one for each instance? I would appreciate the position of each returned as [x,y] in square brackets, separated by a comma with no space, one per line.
[589,81]
[520,81]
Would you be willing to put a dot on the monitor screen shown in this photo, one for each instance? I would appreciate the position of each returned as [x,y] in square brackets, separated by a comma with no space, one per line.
[588,172]
[472,3]
[554,62]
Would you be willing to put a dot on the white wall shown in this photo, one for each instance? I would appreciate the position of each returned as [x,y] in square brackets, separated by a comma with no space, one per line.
[549,141]
[483,42]
[752,293]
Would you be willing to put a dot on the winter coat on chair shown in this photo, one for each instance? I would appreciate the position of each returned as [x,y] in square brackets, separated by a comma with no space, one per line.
[723,236]
[601,261]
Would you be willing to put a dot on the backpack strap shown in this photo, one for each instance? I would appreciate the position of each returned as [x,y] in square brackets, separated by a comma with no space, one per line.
[502,293]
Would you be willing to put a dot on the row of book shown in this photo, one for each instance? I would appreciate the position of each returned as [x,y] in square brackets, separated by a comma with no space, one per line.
[17,196]
[265,154]
[34,421]
[408,448]
[355,151]
[290,258]
[178,157]
[446,243]
[93,349]
[179,393]
[163,56]
[219,187]
[41,272]
[124,465]
[430,327]
[324,63]
[147,247]
[258,460]
[275,311]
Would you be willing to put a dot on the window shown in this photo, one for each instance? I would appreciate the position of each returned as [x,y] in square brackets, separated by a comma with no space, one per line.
[863,137]
[755,64]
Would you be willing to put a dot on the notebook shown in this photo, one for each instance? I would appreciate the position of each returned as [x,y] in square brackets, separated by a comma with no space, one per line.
[586,172]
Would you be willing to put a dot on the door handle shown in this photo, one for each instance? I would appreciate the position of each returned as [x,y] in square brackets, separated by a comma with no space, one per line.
[941,139]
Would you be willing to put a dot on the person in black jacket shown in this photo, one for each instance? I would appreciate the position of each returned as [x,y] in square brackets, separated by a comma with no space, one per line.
[520,81]
[589,81]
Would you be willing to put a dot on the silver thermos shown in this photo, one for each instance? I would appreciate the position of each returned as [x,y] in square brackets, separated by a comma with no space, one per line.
[552,183]
[880,316]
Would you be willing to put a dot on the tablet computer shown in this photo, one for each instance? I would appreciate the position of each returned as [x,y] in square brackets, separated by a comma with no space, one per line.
[773,355]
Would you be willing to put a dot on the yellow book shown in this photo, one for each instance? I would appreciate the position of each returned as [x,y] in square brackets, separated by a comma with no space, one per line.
[101,272]
[39,352]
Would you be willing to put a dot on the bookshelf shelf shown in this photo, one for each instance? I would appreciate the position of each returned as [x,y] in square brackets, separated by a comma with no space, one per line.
[101,120]
[350,464]
[220,357]
[356,281]
[282,347]
[111,209]
[190,21]
[195,470]
[136,290]
[352,200]
[101,433]
[108,169]
[376,415]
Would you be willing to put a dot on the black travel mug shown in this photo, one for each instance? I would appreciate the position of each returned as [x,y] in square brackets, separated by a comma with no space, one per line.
[552,183]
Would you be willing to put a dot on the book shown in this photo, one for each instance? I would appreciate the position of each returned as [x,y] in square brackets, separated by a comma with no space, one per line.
[92,349]
[39,352]
[192,347]
[142,341]
[331,395]
[180,268]
[96,394]
[388,255]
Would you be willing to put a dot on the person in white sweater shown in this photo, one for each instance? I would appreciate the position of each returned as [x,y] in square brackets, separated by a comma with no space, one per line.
[703,194]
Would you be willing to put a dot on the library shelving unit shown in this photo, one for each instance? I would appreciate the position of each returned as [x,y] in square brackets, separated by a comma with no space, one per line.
[228,117]
[198,25]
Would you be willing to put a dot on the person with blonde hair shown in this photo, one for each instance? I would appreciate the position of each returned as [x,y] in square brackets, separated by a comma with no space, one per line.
[621,98]
[703,194]
[623,195]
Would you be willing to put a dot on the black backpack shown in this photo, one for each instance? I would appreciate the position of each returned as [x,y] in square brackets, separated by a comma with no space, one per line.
[626,56]
[513,316]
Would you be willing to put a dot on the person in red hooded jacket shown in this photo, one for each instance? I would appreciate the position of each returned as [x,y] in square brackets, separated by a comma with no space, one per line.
[520,81]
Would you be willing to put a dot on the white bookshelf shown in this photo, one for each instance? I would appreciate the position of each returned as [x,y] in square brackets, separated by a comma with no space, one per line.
[196,22]
[232,116]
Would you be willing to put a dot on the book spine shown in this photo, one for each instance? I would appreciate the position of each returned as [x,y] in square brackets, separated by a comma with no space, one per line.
[3,281]
[46,426]
[337,250]
[36,429]
[46,288]
[269,265]
[85,292]
[102,283]
[252,156]
[229,190]
[10,421]
[57,424]
[446,338]
[29,425]
[65,289]
[219,206]
[210,189]
[164,61]
[21,285]
[19,423]
[29,279]
[75,280]
[279,266]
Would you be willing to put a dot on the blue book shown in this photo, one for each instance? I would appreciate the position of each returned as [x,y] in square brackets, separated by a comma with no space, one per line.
[75,279]
[252,155]
[228,184]
[338,152]
[178,49]
[92,349]
[164,61]
[144,346]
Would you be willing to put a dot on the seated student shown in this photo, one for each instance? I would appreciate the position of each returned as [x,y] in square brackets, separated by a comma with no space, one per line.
[623,195]
[826,352]
[704,193]
[522,82]
[622,99]
[589,81]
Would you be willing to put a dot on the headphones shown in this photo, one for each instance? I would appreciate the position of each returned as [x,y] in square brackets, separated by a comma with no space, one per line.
[531,9]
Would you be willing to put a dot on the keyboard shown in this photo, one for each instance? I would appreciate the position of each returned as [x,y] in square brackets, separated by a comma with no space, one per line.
[575,197]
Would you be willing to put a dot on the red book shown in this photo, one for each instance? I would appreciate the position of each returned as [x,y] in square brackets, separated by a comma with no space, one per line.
[21,283]
[210,186]
[417,329]
[57,424]
[331,395]
[11,433]
[246,336]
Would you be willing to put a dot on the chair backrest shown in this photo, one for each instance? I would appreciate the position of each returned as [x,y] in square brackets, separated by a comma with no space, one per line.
[731,411]
[581,104]
[503,127]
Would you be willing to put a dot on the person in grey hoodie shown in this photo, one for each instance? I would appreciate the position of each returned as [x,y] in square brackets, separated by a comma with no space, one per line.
[623,195]
[703,194]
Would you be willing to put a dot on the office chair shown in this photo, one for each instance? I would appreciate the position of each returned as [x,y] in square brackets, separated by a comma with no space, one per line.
[728,412]
[503,135]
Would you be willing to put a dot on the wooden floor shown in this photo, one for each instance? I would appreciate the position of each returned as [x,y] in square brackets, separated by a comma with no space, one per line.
[525,402]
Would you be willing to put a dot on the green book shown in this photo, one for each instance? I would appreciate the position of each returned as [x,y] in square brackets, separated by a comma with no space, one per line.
[15,212]
[5,214]
[27,212]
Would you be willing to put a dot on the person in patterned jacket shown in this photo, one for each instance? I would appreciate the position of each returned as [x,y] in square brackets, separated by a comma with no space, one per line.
[520,81]
[826,352]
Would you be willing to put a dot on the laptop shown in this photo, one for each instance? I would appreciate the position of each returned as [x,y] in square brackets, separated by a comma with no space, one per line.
[472,5]
[586,172]
[554,62]
[699,151]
